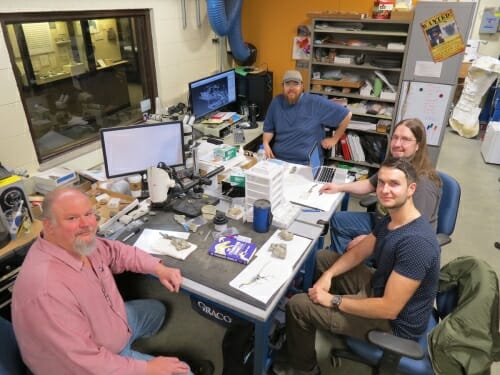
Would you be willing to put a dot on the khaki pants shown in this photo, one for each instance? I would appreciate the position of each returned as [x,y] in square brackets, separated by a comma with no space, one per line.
[303,317]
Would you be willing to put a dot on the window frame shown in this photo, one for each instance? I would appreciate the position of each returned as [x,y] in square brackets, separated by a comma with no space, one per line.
[146,61]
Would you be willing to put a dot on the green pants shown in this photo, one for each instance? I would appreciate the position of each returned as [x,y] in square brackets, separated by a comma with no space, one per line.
[303,317]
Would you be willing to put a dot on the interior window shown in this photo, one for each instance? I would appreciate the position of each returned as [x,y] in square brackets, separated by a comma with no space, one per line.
[80,72]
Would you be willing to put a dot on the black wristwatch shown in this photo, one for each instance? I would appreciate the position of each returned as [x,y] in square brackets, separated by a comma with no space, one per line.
[336,301]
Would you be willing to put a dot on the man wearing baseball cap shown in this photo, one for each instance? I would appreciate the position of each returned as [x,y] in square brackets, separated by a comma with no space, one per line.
[296,121]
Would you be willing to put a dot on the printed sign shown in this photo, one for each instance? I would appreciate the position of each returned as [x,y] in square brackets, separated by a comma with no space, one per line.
[442,35]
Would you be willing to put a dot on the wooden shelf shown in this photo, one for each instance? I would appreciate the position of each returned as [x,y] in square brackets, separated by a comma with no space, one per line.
[338,83]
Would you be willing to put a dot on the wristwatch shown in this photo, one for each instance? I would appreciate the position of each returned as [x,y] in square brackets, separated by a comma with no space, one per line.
[336,301]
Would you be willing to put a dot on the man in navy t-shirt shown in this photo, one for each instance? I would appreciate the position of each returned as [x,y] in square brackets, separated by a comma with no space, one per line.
[295,121]
[350,298]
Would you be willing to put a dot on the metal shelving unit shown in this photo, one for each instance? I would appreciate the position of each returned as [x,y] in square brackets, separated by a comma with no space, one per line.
[345,55]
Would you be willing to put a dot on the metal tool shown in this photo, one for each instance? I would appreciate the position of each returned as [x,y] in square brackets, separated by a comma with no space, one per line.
[257,277]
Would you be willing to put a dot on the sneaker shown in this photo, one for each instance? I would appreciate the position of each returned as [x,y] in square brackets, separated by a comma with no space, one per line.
[286,369]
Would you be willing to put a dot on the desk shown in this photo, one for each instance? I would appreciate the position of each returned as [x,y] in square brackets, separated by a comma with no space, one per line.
[207,278]
[253,138]
[312,217]
[23,239]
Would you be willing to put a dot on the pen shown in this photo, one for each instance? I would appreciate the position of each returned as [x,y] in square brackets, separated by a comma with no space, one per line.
[130,235]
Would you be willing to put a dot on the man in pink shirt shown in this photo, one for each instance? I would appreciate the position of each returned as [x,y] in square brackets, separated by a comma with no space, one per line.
[68,315]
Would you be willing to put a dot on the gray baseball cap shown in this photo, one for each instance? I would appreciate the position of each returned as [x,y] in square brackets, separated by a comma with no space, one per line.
[292,75]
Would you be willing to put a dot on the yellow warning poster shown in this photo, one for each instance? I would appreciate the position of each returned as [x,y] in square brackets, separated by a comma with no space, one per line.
[442,35]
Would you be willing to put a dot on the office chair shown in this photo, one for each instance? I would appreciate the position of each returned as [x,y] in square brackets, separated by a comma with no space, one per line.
[447,210]
[11,362]
[461,337]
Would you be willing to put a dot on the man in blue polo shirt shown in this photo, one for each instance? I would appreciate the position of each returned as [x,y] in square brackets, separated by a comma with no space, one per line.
[295,121]
[350,298]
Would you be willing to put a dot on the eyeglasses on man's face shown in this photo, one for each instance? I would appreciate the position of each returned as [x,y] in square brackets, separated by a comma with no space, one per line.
[403,140]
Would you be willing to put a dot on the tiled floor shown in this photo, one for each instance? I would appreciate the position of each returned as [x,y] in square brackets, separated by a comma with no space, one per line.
[476,231]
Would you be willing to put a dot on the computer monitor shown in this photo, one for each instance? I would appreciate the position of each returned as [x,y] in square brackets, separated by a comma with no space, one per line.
[133,149]
[213,93]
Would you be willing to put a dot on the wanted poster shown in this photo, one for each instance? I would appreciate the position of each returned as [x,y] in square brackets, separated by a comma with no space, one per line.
[442,35]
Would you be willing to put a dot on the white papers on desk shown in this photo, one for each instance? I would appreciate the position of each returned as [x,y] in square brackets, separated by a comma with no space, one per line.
[305,192]
[151,241]
[266,274]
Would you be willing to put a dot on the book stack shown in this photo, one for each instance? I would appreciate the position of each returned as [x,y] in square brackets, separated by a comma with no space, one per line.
[351,148]
[354,143]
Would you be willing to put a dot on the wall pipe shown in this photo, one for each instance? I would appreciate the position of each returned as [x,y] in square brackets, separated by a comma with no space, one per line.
[184,15]
[226,21]
[198,14]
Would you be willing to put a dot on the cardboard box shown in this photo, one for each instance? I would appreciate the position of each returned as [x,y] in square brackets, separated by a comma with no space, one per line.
[464,69]
[388,95]
[402,14]
[237,180]
[225,152]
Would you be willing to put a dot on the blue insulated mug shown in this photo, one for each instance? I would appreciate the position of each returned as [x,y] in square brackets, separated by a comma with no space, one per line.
[262,215]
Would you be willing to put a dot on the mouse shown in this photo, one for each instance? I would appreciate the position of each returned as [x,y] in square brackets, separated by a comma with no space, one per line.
[244,124]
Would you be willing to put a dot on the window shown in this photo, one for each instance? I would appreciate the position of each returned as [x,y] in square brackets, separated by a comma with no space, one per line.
[78,72]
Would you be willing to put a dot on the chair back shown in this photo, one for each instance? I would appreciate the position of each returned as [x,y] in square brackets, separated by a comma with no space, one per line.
[448,206]
[11,362]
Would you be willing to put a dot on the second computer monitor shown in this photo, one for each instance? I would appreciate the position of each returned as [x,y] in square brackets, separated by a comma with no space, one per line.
[213,93]
[133,149]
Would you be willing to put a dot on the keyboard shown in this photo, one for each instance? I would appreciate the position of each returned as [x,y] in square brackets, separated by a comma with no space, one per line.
[326,174]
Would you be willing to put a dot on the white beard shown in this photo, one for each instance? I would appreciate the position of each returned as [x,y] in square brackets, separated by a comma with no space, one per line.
[84,248]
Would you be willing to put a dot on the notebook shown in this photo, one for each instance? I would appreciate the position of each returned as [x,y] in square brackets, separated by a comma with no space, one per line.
[322,173]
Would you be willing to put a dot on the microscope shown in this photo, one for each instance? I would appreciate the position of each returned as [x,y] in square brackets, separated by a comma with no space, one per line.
[169,192]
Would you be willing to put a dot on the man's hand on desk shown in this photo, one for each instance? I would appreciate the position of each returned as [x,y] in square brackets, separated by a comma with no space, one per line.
[171,278]
[330,188]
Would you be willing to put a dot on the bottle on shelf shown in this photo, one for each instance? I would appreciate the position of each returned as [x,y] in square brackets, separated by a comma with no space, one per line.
[238,135]
[261,154]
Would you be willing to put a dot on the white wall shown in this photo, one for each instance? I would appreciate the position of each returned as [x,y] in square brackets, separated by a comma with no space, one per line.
[181,56]
[491,47]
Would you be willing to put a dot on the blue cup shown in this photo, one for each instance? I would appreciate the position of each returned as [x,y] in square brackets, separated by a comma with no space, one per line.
[262,215]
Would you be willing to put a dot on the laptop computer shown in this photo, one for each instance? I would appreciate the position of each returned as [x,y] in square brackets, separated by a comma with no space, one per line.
[322,173]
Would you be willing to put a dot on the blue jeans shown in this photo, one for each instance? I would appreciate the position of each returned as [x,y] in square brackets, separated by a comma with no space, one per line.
[346,225]
[145,318]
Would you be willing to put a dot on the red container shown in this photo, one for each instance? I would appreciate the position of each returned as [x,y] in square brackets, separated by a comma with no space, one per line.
[382,9]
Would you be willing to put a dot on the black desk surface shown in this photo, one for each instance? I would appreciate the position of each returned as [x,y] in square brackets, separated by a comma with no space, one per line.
[208,270]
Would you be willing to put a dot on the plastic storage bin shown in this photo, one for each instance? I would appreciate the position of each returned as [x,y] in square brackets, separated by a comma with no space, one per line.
[263,181]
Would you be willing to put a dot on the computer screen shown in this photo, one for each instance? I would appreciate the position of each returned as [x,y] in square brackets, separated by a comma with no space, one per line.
[133,149]
[213,93]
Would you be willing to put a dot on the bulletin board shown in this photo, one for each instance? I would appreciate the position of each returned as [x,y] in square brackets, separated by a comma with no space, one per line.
[427,102]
